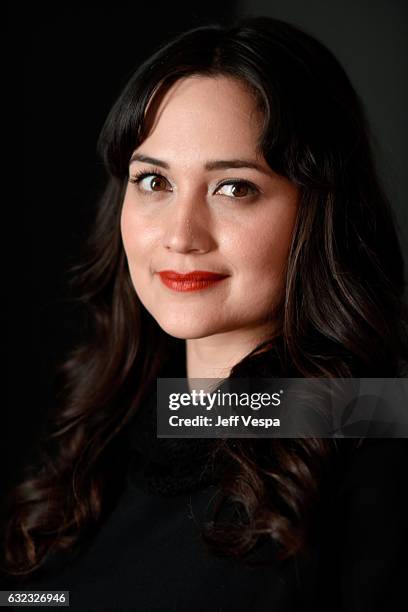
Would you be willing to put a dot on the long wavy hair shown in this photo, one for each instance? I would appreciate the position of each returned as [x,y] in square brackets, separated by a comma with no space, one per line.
[342,313]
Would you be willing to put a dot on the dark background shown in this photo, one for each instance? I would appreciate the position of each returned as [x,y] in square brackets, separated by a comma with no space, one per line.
[76,58]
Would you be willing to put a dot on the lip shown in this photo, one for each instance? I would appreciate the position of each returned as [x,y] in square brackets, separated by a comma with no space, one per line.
[190,281]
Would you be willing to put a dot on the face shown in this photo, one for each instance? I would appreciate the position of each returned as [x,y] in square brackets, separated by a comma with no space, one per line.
[201,197]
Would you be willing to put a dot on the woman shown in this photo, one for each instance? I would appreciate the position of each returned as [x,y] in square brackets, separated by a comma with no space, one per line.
[242,152]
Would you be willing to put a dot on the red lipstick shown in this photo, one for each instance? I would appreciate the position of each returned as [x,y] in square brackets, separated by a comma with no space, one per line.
[192,281]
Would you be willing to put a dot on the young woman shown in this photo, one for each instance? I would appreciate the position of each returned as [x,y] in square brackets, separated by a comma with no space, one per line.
[243,232]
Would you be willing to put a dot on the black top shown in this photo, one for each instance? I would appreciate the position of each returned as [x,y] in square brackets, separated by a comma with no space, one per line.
[148,556]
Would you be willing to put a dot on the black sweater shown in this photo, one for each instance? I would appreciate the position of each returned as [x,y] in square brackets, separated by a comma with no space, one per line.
[148,555]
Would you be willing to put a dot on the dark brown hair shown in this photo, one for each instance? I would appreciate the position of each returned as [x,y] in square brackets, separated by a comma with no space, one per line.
[342,314]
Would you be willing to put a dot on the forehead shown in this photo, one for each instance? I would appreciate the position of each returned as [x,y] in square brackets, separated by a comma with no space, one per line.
[203,115]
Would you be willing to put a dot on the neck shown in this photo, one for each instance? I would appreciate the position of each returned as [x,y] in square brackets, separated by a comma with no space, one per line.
[215,356]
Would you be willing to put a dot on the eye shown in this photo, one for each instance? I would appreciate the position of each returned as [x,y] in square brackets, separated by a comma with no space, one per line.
[237,189]
[149,181]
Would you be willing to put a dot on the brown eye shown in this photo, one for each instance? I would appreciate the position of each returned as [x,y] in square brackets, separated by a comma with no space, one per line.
[158,183]
[237,189]
[150,181]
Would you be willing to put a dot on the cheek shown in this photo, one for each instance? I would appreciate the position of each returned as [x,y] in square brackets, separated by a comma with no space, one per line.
[264,245]
[126,226]
[135,235]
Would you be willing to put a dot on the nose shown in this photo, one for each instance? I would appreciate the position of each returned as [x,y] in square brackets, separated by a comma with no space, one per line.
[187,227]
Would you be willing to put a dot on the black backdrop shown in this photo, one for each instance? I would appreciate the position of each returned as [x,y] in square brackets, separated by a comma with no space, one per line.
[76,58]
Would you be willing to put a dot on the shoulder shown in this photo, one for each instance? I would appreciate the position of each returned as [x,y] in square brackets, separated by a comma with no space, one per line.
[376,465]
[373,499]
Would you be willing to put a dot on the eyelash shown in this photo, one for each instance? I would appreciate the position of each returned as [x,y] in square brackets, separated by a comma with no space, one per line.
[141,174]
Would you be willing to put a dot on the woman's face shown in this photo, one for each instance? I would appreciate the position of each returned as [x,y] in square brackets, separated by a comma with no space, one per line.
[208,201]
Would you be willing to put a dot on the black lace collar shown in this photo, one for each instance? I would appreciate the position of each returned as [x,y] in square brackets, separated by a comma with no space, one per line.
[169,466]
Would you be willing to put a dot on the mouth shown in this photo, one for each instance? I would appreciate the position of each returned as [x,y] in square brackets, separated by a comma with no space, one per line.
[191,281]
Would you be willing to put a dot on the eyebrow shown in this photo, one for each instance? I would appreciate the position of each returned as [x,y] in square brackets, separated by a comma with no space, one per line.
[219,164]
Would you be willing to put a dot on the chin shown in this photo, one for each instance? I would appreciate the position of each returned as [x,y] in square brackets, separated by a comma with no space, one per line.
[188,329]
